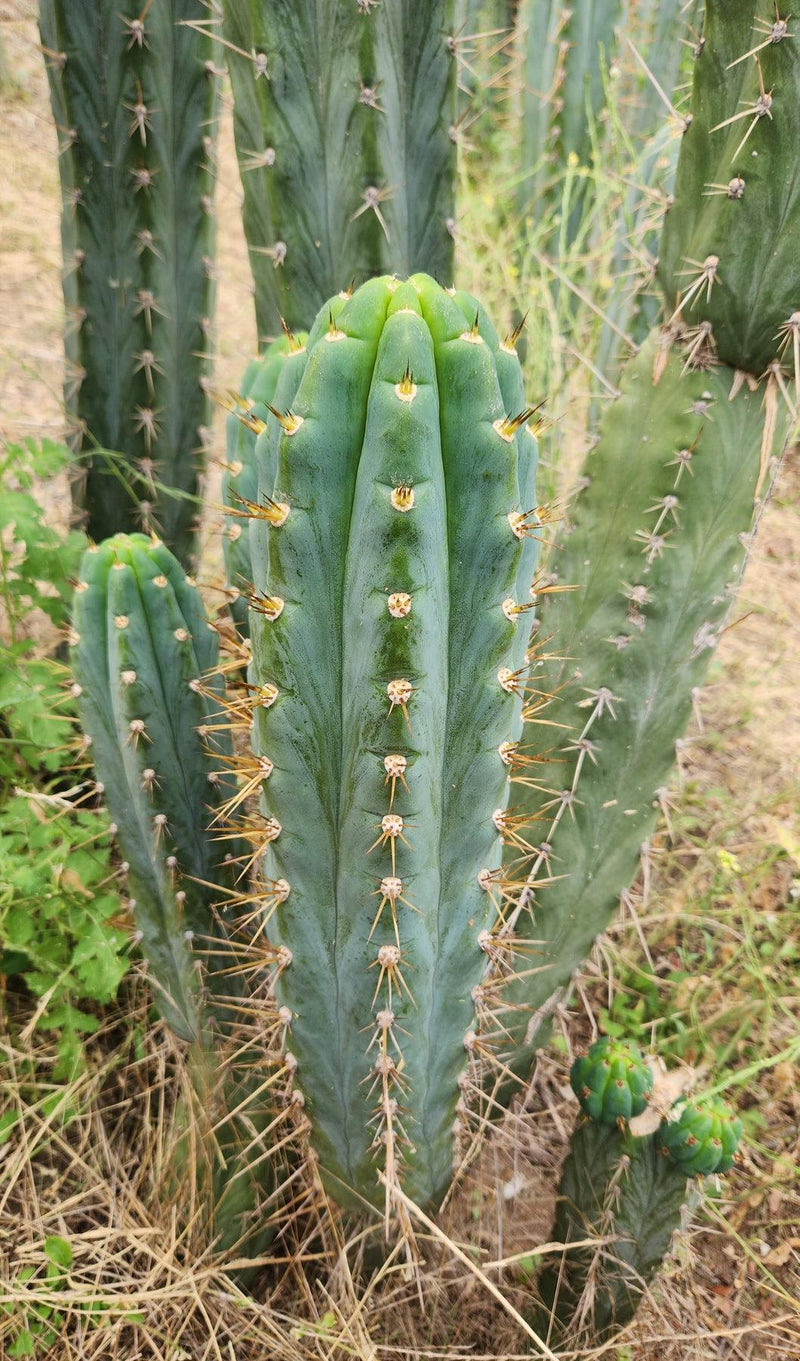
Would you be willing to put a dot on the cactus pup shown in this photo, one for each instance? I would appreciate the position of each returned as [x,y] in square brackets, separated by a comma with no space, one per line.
[133,91]
[629,1192]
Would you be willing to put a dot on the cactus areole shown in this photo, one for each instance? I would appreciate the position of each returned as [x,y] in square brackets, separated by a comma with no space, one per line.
[393,485]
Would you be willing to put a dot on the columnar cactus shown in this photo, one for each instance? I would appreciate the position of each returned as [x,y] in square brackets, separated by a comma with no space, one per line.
[144,657]
[140,646]
[133,91]
[658,536]
[729,263]
[345,123]
[387,650]
[249,408]
[630,1191]
[667,503]
[565,50]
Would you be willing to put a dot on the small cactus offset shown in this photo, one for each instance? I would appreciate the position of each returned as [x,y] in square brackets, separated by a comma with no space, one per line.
[729,263]
[629,1191]
[612,1081]
[141,643]
[703,1138]
[133,91]
[345,124]
[249,408]
[385,653]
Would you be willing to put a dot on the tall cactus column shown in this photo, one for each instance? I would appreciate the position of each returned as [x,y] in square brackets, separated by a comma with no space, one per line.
[666,506]
[345,124]
[133,90]
[384,683]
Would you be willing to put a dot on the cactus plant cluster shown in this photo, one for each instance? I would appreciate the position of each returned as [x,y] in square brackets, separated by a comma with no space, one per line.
[134,97]
[457,757]
[625,1190]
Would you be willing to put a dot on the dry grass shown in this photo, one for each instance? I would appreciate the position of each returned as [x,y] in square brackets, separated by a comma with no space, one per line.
[86,1162]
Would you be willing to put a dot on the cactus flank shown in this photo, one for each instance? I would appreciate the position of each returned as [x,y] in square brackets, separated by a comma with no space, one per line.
[346,128]
[140,646]
[249,408]
[134,100]
[657,540]
[384,676]
[143,656]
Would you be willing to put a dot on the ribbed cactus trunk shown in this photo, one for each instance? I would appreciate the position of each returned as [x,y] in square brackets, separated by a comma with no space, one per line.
[667,504]
[344,116]
[249,408]
[658,539]
[384,675]
[142,649]
[134,98]
[144,657]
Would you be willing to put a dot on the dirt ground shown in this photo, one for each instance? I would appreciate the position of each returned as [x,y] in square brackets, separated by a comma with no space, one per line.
[746,758]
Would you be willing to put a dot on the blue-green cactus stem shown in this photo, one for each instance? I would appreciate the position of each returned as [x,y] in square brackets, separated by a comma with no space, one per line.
[134,97]
[729,261]
[249,409]
[140,647]
[384,693]
[656,540]
[566,54]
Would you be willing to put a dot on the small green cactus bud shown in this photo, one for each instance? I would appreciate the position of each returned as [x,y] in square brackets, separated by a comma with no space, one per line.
[611,1082]
[703,1139]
